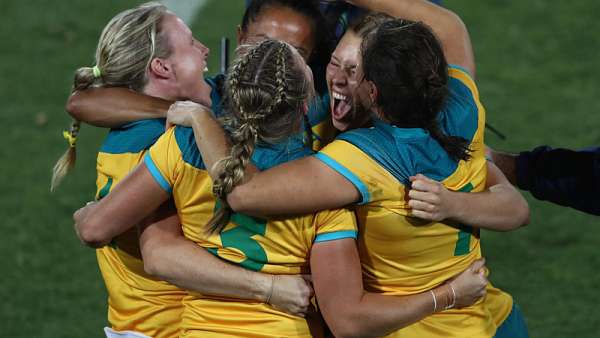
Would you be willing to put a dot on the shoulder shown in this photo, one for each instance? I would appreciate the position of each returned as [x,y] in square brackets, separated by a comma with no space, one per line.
[133,137]
[184,136]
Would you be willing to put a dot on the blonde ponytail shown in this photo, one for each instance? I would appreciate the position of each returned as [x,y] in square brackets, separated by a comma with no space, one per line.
[127,45]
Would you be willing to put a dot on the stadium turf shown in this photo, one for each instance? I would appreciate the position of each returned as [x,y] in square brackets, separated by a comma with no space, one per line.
[537,70]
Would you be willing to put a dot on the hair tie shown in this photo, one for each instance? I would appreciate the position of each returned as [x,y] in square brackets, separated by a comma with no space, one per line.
[96,71]
[71,139]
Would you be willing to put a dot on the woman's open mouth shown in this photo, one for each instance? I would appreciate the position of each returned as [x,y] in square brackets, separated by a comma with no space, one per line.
[341,105]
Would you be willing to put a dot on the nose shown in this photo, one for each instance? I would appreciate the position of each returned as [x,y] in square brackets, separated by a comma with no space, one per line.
[202,48]
[338,77]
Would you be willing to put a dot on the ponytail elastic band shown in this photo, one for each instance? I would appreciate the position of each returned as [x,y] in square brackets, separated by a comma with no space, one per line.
[96,71]
[70,138]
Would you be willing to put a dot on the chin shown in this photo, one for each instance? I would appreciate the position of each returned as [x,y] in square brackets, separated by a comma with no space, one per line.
[339,125]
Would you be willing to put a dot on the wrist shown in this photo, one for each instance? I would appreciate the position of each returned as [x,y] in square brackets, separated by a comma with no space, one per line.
[444,297]
[263,290]
[458,207]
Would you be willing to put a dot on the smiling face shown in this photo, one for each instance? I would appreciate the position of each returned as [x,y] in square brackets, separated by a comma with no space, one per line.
[344,79]
[283,24]
[188,59]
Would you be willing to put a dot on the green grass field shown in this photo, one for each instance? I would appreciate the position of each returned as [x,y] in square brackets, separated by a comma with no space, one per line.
[537,70]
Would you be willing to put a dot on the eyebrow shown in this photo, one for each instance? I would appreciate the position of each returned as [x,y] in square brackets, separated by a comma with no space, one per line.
[343,66]
[300,49]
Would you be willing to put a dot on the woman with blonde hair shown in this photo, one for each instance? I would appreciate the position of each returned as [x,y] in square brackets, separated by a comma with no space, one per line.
[150,50]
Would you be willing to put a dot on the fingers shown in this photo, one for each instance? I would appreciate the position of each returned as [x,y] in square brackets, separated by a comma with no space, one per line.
[420,177]
[422,214]
[427,210]
[478,265]
[425,196]
[421,205]
[422,183]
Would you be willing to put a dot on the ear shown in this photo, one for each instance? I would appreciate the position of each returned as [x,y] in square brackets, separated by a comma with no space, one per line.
[373,92]
[305,107]
[161,68]
[241,36]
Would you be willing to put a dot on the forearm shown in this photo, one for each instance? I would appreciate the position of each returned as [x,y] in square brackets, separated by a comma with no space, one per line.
[131,201]
[447,26]
[301,186]
[211,139]
[500,208]
[376,315]
[185,264]
[113,107]
[350,311]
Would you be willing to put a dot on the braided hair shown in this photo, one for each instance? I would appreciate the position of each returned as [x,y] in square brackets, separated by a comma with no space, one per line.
[266,92]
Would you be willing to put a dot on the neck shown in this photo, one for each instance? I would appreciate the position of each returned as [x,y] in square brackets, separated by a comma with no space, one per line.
[160,90]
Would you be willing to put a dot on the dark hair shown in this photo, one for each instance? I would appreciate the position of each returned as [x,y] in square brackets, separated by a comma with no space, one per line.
[324,42]
[266,92]
[406,63]
[367,23]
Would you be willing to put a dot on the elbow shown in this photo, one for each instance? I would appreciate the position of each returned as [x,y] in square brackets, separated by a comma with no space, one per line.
[524,214]
[152,258]
[73,105]
[521,214]
[350,329]
[235,201]
[519,217]
[91,233]
[346,324]
[151,263]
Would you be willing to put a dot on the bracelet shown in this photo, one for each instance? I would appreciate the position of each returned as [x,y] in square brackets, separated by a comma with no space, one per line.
[434,301]
[271,291]
[451,305]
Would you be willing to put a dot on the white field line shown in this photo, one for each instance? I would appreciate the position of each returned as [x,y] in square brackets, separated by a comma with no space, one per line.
[185,9]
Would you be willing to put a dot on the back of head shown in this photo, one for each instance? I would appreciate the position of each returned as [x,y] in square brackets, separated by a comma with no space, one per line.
[406,63]
[267,90]
[368,23]
[127,45]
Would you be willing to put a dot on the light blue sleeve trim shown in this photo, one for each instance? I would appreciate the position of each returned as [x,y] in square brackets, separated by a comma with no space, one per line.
[332,236]
[461,69]
[362,188]
[156,174]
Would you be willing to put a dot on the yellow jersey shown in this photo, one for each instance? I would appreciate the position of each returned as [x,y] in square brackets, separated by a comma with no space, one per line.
[136,301]
[275,245]
[401,255]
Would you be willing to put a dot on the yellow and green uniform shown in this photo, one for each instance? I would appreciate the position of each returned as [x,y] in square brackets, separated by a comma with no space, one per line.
[401,255]
[275,245]
[136,301]
[319,119]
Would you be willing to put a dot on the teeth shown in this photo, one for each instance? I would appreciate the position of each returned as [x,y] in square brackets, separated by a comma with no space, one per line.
[339,96]
[205,69]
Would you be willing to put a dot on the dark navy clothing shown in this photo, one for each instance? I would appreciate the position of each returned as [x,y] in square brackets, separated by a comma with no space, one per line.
[562,176]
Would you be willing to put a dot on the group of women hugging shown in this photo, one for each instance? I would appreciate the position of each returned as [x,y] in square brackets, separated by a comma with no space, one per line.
[310,191]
